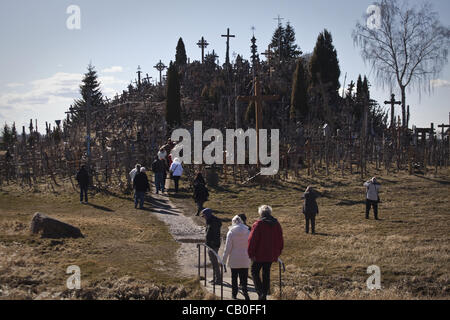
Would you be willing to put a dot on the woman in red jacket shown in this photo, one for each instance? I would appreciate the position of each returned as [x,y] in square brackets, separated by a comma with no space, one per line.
[265,245]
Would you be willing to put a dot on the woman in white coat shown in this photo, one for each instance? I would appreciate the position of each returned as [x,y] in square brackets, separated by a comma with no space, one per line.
[236,253]
[176,169]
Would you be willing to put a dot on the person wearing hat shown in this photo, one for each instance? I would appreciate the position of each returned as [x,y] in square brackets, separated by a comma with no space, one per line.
[265,245]
[237,256]
[213,225]
[372,197]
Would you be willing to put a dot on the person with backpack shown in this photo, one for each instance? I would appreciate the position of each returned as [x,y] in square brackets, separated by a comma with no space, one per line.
[159,168]
[372,197]
[237,256]
[265,245]
[310,209]
[83,181]
[201,193]
[141,185]
[176,169]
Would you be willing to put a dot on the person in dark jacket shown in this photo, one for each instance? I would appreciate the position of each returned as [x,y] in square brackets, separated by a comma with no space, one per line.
[265,245]
[213,225]
[310,209]
[201,193]
[159,167]
[141,185]
[83,182]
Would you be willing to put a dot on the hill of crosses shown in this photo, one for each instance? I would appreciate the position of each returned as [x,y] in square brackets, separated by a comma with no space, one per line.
[332,138]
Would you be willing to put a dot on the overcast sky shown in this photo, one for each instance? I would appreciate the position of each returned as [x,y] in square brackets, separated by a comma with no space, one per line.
[42,61]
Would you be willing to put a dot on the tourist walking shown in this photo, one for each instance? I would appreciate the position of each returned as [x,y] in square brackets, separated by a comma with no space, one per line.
[310,209]
[372,196]
[176,169]
[159,168]
[213,225]
[201,193]
[141,186]
[265,245]
[236,254]
[83,181]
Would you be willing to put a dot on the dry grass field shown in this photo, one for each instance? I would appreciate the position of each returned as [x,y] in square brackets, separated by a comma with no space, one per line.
[410,244]
[124,254]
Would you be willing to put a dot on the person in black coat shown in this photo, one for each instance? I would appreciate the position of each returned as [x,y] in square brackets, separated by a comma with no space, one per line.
[310,209]
[141,185]
[201,193]
[83,181]
[213,240]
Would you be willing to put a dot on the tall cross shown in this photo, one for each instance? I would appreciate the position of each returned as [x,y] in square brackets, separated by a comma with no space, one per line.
[258,99]
[279,20]
[202,43]
[160,67]
[139,76]
[269,54]
[393,103]
[228,36]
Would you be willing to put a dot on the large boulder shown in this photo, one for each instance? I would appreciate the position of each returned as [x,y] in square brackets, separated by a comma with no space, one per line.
[52,228]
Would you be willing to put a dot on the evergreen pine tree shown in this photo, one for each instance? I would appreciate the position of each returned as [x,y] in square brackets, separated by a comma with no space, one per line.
[6,134]
[180,56]
[324,64]
[299,98]
[90,86]
[290,49]
[173,104]
[278,42]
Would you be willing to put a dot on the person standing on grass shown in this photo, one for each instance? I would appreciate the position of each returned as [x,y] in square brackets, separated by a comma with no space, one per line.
[213,225]
[236,252]
[265,245]
[159,167]
[141,185]
[201,193]
[372,197]
[83,181]
[310,209]
[177,170]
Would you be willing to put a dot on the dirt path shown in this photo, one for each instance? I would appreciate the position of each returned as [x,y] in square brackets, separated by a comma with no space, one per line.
[185,231]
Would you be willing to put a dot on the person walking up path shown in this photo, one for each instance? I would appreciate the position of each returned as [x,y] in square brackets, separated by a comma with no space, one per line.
[372,196]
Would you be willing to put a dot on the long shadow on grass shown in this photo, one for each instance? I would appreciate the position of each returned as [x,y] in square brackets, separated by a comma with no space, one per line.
[96,206]
[346,202]
[444,182]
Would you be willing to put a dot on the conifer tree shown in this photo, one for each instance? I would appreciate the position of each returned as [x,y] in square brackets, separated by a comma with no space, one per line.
[299,98]
[173,104]
[180,56]
[6,134]
[90,87]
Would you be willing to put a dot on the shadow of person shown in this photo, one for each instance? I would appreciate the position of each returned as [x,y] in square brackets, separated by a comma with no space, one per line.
[98,207]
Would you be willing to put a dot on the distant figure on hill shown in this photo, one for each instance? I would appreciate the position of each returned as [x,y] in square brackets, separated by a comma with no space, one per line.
[83,181]
[236,252]
[159,167]
[310,209]
[141,185]
[213,225]
[372,197]
[201,193]
[265,245]
[177,170]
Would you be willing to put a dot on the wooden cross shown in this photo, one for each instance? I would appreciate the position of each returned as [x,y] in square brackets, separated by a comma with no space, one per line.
[160,67]
[228,36]
[258,99]
[443,127]
[147,78]
[279,20]
[269,54]
[393,103]
[203,44]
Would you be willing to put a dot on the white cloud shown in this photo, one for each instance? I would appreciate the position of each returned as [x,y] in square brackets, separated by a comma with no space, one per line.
[113,69]
[440,83]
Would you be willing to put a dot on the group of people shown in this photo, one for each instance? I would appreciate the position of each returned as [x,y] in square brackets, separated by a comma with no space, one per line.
[256,248]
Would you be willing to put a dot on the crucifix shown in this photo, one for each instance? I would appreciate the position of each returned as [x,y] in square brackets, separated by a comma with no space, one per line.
[160,67]
[393,103]
[147,78]
[228,36]
[139,76]
[279,20]
[203,44]
[443,127]
[258,99]
[269,54]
